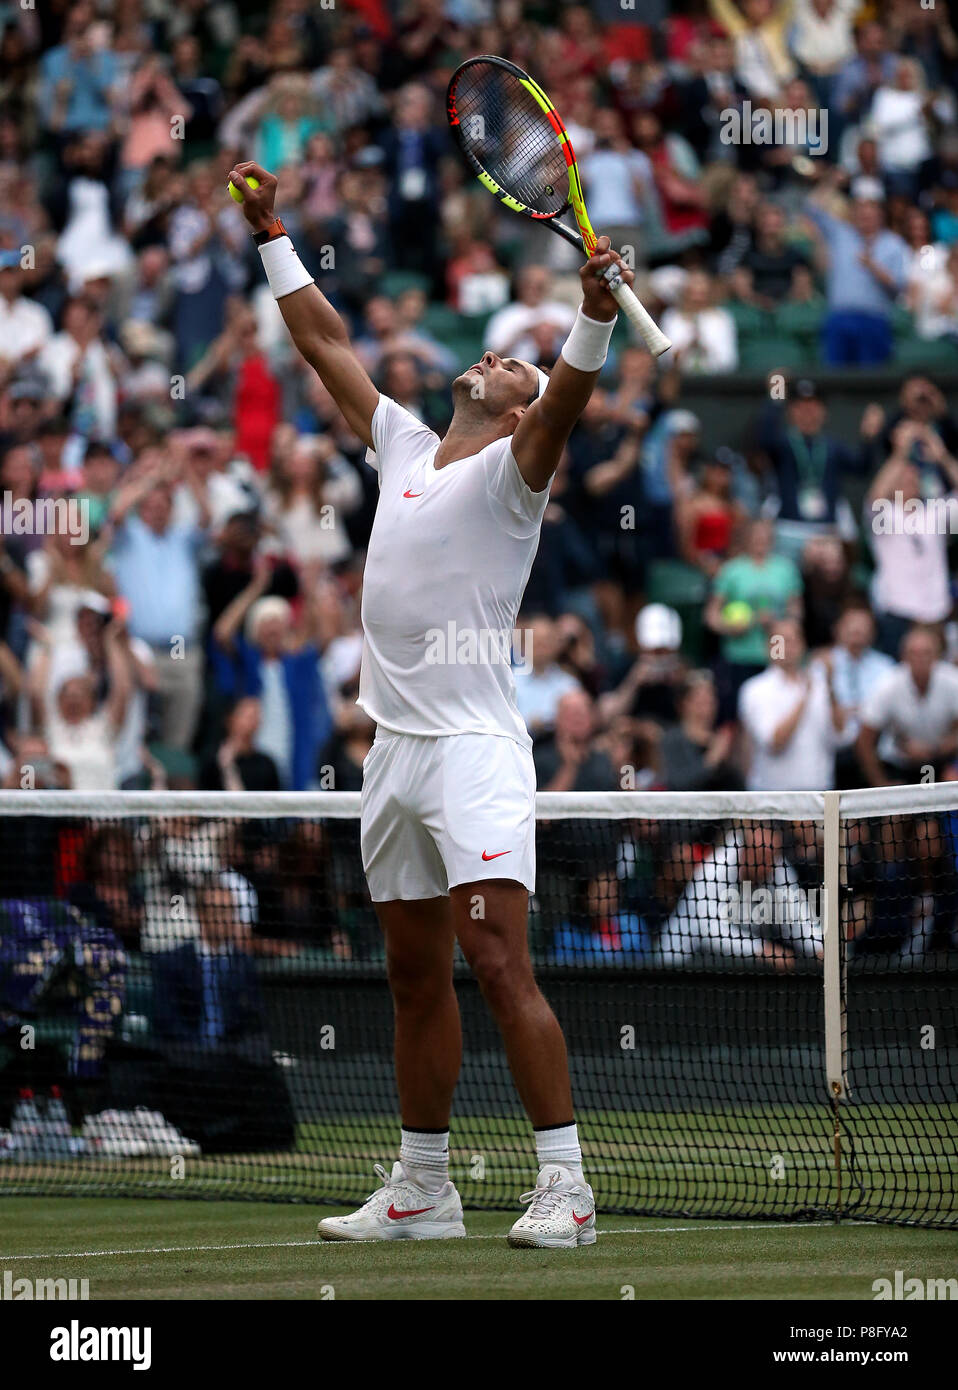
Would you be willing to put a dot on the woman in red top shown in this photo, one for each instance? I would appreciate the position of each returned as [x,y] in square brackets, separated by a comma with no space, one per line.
[706,517]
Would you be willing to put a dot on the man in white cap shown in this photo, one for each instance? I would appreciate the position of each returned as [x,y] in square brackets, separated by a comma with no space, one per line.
[448,815]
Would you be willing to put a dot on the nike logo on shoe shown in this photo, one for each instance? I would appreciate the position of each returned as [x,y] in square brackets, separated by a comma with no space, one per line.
[412,494]
[581,1220]
[395,1215]
[497,855]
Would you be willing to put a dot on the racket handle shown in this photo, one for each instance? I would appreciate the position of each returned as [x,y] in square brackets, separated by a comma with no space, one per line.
[640,319]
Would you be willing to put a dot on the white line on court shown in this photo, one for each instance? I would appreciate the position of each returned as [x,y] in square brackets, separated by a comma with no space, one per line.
[330,1244]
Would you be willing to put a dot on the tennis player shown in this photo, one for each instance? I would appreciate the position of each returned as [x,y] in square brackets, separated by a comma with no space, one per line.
[448,802]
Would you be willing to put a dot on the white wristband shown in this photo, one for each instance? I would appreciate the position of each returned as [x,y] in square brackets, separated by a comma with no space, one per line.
[284,270]
[587,346]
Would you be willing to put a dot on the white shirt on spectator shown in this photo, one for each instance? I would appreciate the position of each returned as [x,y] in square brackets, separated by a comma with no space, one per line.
[930,287]
[714,335]
[911,571]
[88,749]
[896,706]
[71,658]
[538,695]
[507,332]
[824,41]
[59,357]
[708,916]
[807,763]
[24,328]
[898,122]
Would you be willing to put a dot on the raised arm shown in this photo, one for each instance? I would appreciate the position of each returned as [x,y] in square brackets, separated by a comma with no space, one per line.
[314,325]
[542,432]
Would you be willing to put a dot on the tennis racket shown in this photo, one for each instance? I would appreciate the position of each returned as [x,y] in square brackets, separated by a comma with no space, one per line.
[515,143]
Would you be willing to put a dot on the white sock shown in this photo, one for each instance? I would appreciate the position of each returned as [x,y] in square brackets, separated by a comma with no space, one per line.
[559,1144]
[424,1156]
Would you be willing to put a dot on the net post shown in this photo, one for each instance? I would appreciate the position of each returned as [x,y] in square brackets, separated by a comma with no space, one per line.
[833,977]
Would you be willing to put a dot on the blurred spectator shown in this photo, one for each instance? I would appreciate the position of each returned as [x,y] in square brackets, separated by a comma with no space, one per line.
[413,149]
[81,728]
[744,900]
[866,266]
[696,753]
[25,326]
[204,236]
[909,543]
[916,706]
[792,718]
[508,332]
[77,364]
[670,452]
[861,75]
[106,891]
[857,670]
[569,761]
[822,35]
[619,183]
[87,653]
[77,78]
[828,587]
[766,273]
[259,652]
[239,766]
[155,564]
[759,30]
[649,690]
[811,468]
[751,593]
[314,488]
[703,335]
[541,682]
[601,933]
[898,121]
[932,293]
[707,518]
[61,575]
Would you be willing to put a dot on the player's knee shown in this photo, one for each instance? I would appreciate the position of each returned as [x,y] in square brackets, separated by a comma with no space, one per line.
[505,983]
[413,988]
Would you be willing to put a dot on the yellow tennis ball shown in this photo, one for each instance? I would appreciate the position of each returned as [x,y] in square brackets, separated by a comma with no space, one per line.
[737,612]
[234,192]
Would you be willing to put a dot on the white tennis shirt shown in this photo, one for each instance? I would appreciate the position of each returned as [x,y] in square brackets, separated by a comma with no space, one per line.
[448,561]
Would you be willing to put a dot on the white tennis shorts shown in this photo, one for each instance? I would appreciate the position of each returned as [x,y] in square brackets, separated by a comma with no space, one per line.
[437,812]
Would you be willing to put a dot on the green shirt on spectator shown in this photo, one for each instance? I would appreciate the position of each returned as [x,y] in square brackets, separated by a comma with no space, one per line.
[766,588]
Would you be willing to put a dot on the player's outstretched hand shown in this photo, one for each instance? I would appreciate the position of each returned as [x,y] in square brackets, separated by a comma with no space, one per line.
[597,299]
[257,202]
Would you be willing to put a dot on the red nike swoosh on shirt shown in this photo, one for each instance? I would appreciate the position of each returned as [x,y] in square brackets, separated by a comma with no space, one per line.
[395,1215]
[581,1220]
[412,494]
[498,855]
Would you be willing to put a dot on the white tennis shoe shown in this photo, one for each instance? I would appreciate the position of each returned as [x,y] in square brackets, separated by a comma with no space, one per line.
[399,1210]
[561,1212]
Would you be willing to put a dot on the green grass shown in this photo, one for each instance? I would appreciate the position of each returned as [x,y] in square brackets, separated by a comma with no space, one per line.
[143,1249]
[777,1161]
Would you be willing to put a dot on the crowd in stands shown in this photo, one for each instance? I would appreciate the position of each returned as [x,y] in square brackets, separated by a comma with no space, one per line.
[203,631]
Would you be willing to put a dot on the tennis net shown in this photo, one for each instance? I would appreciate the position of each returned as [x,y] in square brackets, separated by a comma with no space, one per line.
[759,994]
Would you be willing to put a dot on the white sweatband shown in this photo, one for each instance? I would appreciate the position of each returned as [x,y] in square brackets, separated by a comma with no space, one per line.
[543,382]
[284,270]
[587,346]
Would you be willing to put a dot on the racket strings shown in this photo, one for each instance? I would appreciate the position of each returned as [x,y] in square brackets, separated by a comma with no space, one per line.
[505,129]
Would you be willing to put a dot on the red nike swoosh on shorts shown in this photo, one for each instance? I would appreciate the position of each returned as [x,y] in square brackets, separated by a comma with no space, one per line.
[581,1220]
[498,855]
[395,1215]
[412,494]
